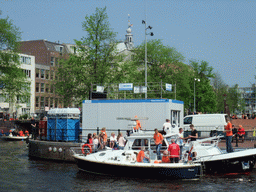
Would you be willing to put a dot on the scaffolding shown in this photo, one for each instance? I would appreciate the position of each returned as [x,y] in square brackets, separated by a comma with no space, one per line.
[154,90]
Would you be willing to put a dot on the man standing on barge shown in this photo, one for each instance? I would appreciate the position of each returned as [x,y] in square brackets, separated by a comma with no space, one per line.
[229,135]
[158,137]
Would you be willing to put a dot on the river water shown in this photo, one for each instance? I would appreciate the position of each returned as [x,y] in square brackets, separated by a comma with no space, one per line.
[19,173]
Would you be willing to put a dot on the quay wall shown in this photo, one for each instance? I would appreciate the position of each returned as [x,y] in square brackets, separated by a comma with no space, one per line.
[248,124]
[51,150]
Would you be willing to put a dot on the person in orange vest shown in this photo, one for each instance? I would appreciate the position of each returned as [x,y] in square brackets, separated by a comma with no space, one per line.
[141,157]
[165,158]
[105,136]
[138,125]
[229,135]
[21,133]
[26,133]
[158,137]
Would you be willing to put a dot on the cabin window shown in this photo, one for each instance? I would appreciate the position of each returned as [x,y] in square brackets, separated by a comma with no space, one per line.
[188,120]
[153,145]
[175,118]
[138,143]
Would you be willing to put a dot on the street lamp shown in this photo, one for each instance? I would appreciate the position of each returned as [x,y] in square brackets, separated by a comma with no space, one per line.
[151,34]
[195,79]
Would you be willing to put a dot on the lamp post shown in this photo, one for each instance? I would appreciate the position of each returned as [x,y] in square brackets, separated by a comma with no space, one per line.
[151,34]
[195,79]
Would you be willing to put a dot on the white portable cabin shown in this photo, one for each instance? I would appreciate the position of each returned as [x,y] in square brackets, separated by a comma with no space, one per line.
[104,113]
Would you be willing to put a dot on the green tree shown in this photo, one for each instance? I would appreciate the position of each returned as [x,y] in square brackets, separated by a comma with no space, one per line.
[204,92]
[162,64]
[13,79]
[96,60]
[233,98]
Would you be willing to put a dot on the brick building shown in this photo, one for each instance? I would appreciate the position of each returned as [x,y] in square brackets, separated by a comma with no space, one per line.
[47,56]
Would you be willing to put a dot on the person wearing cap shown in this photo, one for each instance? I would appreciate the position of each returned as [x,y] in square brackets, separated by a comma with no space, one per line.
[240,133]
[158,138]
[141,157]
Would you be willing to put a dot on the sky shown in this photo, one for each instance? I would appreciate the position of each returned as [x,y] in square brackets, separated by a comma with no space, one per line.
[221,32]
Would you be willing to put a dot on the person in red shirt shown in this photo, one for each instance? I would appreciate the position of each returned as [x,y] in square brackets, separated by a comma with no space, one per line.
[174,152]
[165,158]
[141,156]
[158,137]
[229,135]
[240,133]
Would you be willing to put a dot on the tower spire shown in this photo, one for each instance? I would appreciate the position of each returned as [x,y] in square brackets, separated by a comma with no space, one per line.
[129,36]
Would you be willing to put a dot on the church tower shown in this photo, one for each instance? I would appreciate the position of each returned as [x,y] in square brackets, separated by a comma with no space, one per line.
[129,37]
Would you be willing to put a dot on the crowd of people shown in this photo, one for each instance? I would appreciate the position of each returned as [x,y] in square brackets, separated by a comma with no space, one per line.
[172,155]
[100,141]
[244,116]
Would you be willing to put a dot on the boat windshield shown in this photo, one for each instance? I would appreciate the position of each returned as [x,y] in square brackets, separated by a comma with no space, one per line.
[168,139]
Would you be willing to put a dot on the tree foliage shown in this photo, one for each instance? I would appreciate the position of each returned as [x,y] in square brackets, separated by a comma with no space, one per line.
[13,79]
[95,62]
[233,98]
[204,92]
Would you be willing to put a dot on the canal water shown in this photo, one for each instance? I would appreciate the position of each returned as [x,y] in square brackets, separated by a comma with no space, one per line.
[19,173]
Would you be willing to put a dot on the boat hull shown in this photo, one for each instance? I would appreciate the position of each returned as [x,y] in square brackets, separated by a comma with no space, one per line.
[138,171]
[236,162]
[13,138]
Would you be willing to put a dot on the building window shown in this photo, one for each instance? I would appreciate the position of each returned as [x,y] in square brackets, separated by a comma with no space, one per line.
[42,73]
[46,88]
[51,88]
[56,103]
[52,61]
[37,101]
[47,74]
[37,73]
[56,62]
[25,60]
[37,87]
[42,87]
[27,72]
[61,48]
[52,75]
[51,103]
[42,103]
[46,101]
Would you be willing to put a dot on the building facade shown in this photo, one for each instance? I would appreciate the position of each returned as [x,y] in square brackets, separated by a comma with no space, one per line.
[22,105]
[47,56]
[248,94]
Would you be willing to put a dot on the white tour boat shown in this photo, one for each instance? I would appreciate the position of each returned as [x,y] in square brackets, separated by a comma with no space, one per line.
[123,162]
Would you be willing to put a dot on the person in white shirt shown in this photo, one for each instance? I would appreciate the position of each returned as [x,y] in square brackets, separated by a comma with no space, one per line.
[121,141]
[167,126]
[95,143]
[113,140]
[180,140]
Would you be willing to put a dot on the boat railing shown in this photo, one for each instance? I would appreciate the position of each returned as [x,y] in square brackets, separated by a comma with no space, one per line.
[76,150]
